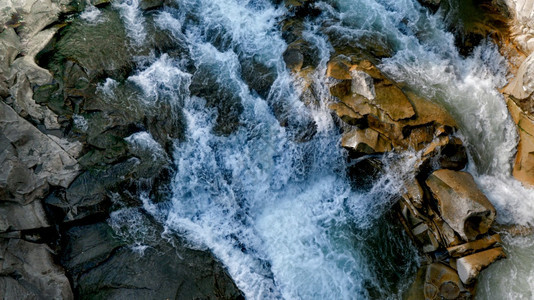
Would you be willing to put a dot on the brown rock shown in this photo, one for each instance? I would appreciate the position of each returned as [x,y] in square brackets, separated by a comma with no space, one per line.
[365,141]
[445,232]
[472,247]
[347,114]
[338,69]
[524,160]
[393,102]
[414,193]
[461,204]
[444,152]
[470,266]
[442,282]
[425,237]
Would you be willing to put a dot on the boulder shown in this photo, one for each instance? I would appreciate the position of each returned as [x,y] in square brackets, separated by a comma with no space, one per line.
[33,268]
[470,266]
[362,84]
[368,99]
[393,102]
[365,141]
[461,204]
[474,246]
[104,267]
[86,194]
[414,193]
[426,238]
[442,282]
[519,17]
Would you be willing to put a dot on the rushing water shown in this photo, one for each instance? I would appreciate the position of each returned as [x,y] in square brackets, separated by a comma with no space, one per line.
[260,178]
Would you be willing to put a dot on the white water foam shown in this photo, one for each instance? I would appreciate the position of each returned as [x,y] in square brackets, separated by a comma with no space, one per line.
[274,211]
[427,61]
[163,79]
[281,215]
[92,15]
[133,19]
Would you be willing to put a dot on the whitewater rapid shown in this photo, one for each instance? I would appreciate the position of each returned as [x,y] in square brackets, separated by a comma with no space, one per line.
[260,177]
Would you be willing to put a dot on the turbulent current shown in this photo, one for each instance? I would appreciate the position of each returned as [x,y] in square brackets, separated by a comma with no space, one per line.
[260,178]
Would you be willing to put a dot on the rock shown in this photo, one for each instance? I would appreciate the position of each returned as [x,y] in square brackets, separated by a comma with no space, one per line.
[362,84]
[364,172]
[293,59]
[44,160]
[365,141]
[524,160]
[368,99]
[425,238]
[112,57]
[35,15]
[86,194]
[88,246]
[35,271]
[338,69]
[471,247]
[414,193]
[393,101]
[447,235]
[444,152]
[106,268]
[14,216]
[150,4]
[461,204]
[519,16]
[442,282]
[470,266]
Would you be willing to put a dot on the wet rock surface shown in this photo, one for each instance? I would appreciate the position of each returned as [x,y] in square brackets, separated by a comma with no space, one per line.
[79,141]
[104,266]
[442,209]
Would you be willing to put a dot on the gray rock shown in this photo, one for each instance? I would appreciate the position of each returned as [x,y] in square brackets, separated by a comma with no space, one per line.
[32,154]
[14,216]
[86,194]
[34,271]
[105,268]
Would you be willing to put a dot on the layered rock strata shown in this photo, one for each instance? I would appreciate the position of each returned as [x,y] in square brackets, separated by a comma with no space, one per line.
[442,209]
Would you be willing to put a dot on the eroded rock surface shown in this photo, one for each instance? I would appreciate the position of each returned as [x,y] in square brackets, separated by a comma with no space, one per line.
[74,132]
[441,208]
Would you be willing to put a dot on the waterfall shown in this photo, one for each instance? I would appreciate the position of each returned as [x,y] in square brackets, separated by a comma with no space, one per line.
[270,197]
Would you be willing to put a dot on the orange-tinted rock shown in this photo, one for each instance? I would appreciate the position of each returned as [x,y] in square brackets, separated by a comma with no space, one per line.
[365,141]
[470,266]
[442,282]
[474,246]
[524,161]
[461,204]
[393,102]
